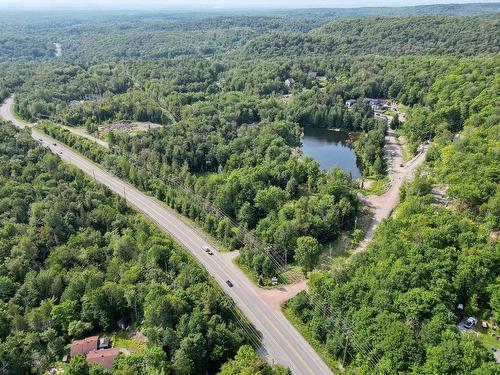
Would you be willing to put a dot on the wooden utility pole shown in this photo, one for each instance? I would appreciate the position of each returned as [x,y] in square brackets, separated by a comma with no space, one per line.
[345,350]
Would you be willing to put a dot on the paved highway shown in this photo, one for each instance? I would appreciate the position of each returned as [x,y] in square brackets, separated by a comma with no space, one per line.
[6,114]
[281,343]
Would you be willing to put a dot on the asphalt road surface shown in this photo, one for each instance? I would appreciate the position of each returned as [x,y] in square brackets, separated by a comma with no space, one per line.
[281,343]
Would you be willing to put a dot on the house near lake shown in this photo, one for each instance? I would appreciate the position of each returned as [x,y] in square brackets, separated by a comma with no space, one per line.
[349,103]
[375,104]
[84,346]
[312,75]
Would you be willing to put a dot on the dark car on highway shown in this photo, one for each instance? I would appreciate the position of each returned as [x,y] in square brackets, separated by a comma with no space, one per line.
[228,282]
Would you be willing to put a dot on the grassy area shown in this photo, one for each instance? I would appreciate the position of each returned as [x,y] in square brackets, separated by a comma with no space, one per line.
[252,275]
[335,252]
[316,345]
[121,340]
[293,270]
[403,108]
[377,187]
[58,364]
[389,112]
[488,337]
[407,154]
[488,341]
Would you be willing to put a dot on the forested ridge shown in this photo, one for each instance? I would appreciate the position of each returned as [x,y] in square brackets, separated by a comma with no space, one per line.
[227,135]
[97,37]
[390,36]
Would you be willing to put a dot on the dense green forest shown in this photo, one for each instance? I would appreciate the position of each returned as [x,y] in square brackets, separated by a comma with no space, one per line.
[75,259]
[391,36]
[271,192]
[105,36]
[227,155]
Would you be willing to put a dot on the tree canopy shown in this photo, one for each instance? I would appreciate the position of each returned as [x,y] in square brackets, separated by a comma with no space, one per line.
[75,259]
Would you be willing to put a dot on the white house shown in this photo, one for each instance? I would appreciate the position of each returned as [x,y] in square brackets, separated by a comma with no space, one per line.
[349,103]
[289,82]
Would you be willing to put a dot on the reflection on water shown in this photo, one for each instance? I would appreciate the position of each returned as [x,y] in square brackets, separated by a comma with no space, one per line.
[330,148]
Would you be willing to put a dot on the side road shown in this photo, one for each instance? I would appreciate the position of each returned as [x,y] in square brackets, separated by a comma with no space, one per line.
[383,205]
[281,342]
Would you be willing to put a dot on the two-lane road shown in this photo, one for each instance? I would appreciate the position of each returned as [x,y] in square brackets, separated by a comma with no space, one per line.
[281,341]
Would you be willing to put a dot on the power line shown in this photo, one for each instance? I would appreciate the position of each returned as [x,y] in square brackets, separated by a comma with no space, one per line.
[249,239]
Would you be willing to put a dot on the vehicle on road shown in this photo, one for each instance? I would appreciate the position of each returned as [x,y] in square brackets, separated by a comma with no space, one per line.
[401,165]
[54,144]
[470,322]
[210,253]
[205,248]
[228,282]
[60,152]
[393,153]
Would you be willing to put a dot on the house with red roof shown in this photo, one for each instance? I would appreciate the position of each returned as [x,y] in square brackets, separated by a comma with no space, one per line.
[104,357]
[84,346]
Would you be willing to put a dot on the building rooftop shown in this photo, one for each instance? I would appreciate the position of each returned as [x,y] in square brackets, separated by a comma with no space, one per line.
[312,75]
[104,357]
[84,346]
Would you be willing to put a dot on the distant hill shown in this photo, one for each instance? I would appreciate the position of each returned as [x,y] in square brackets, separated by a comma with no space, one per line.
[98,36]
[417,35]
[435,10]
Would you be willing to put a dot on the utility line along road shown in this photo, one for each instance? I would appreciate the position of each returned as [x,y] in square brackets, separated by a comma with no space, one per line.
[281,342]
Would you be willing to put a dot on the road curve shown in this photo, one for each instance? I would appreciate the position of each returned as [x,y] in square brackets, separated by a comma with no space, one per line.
[7,114]
[281,343]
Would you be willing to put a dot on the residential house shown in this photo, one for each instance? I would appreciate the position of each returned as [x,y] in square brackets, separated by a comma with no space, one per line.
[349,103]
[104,357]
[84,346]
[312,75]
[289,82]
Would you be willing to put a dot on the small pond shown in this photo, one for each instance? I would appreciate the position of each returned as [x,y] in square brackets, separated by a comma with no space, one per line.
[329,148]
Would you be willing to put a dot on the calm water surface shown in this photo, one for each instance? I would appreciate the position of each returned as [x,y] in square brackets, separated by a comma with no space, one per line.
[330,148]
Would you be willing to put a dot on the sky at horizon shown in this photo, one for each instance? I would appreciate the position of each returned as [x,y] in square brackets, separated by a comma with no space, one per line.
[216,4]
